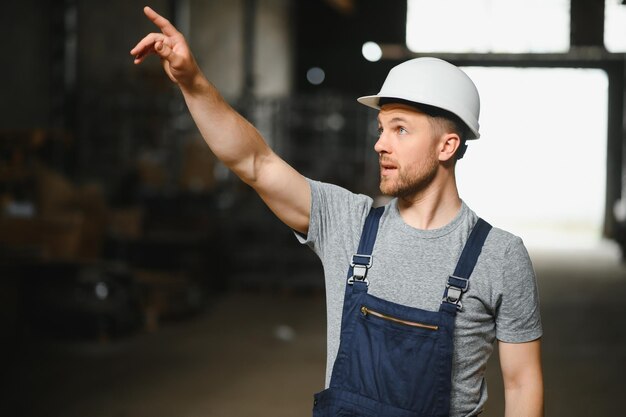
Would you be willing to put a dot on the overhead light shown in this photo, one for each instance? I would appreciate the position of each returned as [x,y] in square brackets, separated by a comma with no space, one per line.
[315,75]
[372,51]
[101,290]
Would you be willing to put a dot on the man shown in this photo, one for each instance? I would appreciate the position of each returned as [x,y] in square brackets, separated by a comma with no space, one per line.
[394,347]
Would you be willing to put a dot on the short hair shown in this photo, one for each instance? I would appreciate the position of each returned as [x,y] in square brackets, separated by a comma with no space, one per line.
[440,119]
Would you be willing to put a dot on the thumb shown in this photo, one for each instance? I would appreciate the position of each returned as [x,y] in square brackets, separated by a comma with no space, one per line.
[166,54]
[163,50]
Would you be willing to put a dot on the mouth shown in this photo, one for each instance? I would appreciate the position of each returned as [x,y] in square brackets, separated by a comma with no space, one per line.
[387,168]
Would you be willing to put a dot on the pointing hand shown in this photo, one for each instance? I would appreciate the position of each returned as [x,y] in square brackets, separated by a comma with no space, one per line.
[171,47]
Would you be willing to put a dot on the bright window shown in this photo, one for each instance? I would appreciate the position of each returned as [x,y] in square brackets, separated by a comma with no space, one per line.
[504,26]
[615,26]
[539,168]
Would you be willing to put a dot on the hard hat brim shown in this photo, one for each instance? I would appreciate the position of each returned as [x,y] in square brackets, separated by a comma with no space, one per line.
[370,101]
[373,102]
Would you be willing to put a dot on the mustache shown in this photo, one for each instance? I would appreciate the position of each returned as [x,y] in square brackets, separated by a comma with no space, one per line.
[386,160]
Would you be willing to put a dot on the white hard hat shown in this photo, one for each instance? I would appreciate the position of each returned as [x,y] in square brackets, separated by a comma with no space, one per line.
[433,82]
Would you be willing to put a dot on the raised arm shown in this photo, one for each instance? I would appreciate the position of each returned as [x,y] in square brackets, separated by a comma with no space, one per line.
[231,137]
[523,378]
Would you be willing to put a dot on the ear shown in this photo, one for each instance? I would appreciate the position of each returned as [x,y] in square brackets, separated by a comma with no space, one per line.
[449,144]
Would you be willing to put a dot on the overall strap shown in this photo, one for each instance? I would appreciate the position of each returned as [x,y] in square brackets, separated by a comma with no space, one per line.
[356,286]
[362,260]
[458,282]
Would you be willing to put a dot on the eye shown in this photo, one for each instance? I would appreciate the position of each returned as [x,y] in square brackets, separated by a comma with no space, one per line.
[379,131]
[402,131]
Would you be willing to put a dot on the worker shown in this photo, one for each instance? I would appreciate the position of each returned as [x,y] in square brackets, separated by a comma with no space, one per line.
[419,290]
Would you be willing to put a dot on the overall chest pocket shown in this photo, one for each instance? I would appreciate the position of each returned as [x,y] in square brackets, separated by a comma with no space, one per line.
[398,359]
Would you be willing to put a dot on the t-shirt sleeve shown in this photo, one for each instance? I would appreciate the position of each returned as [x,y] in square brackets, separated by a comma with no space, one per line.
[336,216]
[518,317]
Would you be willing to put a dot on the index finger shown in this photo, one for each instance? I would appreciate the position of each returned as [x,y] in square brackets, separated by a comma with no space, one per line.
[166,27]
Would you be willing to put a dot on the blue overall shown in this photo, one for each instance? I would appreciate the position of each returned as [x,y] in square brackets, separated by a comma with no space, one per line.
[394,360]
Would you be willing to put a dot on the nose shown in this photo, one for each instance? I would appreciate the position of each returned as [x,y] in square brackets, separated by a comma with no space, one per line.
[381,145]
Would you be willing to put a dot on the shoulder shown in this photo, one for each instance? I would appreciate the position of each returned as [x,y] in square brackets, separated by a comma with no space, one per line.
[337,214]
[499,242]
[507,259]
[505,254]
[503,241]
[328,190]
[335,200]
[518,316]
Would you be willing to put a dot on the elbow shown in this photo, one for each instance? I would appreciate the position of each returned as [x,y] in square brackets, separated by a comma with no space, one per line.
[524,397]
[251,170]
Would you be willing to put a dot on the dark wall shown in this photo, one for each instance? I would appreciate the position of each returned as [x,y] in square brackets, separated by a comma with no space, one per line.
[332,40]
[26,64]
[67,68]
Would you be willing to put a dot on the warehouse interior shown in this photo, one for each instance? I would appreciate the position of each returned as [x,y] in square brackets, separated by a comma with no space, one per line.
[139,277]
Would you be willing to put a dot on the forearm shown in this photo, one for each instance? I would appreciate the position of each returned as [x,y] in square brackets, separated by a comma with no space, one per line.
[232,139]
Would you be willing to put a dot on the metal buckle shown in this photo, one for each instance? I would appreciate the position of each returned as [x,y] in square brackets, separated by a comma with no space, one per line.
[359,268]
[459,280]
[456,290]
[454,300]
[353,278]
[356,261]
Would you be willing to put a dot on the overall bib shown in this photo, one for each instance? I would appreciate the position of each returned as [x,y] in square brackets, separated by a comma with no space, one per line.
[394,360]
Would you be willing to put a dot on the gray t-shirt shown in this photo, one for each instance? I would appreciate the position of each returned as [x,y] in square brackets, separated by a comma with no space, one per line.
[411,266]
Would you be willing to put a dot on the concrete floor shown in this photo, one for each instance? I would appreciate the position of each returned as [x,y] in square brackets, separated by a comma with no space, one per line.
[263,354]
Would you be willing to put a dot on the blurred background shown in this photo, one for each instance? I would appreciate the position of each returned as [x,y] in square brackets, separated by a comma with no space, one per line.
[138,277]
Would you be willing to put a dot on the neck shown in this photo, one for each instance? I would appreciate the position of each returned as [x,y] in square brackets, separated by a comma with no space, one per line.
[434,207]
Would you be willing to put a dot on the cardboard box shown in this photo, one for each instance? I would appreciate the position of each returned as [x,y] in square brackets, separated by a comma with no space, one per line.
[55,193]
[53,237]
[126,223]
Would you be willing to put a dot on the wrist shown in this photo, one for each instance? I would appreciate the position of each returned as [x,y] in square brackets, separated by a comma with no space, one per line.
[196,85]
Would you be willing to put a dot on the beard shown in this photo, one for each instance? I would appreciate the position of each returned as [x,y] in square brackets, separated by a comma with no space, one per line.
[410,181]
